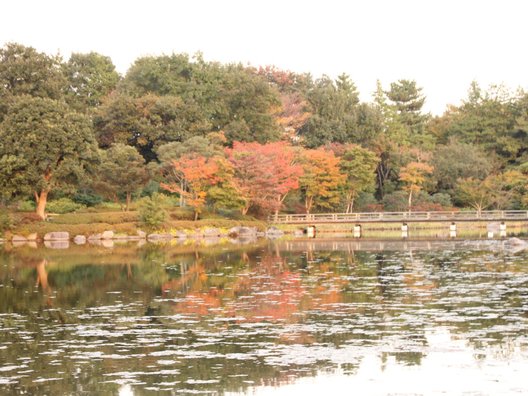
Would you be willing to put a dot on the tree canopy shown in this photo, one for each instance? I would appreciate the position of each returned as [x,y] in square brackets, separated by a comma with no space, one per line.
[255,139]
[53,146]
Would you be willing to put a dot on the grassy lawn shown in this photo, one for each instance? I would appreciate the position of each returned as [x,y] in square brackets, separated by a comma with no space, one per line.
[90,221]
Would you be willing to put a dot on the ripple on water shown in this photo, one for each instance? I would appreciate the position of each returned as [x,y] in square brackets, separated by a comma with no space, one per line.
[332,312]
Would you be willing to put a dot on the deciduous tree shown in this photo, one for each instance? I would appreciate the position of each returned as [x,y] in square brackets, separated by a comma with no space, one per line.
[321,180]
[458,160]
[265,173]
[147,122]
[334,108]
[90,78]
[198,174]
[359,166]
[478,194]
[122,172]
[52,143]
[25,71]
[414,176]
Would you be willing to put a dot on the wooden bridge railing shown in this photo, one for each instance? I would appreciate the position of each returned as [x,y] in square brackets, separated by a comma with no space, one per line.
[399,216]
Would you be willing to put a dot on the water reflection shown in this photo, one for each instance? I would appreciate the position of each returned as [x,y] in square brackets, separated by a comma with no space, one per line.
[218,319]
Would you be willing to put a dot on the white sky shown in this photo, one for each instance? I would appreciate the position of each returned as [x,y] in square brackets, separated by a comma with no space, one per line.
[442,44]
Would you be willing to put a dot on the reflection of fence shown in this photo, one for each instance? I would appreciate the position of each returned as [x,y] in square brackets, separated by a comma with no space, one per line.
[366,217]
[386,245]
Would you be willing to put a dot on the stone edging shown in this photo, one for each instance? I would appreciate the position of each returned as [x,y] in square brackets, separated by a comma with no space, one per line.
[60,238]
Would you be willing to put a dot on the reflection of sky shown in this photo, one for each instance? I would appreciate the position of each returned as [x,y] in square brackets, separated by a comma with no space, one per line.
[449,367]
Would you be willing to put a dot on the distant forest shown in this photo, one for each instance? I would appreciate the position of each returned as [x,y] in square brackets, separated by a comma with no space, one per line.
[259,140]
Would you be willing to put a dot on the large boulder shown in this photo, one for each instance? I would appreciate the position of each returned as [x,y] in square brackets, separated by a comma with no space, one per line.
[79,239]
[274,232]
[32,237]
[516,242]
[57,236]
[211,240]
[240,231]
[107,235]
[180,235]
[211,232]
[159,237]
[18,238]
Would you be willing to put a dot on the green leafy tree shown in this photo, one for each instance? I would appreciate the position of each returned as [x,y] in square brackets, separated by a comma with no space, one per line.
[12,176]
[458,160]
[250,103]
[334,108]
[489,119]
[151,210]
[90,77]
[478,194]
[500,191]
[50,144]
[147,122]
[207,146]
[359,166]
[25,71]
[122,172]
[232,98]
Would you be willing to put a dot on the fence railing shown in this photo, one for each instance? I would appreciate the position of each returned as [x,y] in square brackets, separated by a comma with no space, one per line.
[399,216]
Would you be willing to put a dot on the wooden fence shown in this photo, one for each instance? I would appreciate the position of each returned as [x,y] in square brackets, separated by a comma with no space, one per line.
[381,217]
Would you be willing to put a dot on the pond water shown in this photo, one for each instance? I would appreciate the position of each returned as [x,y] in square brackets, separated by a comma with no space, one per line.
[272,318]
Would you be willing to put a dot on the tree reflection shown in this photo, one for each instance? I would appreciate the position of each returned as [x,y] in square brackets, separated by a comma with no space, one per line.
[253,314]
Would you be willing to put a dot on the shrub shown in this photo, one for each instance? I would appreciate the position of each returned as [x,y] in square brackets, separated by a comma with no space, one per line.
[87,199]
[365,202]
[396,202]
[6,222]
[442,199]
[63,205]
[26,206]
[151,211]
[181,214]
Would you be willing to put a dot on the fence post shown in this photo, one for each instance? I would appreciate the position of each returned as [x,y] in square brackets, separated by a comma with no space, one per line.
[502,229]
[452,230]
[405,230]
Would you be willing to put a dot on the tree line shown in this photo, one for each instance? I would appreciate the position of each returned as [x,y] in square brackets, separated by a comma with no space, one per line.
[255,139]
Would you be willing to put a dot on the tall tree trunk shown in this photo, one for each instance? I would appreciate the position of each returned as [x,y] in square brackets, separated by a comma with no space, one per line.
[195,215]
[308,204]
[349,202]
[41,204]
[410,200]
[277,208]
[244,210]
[182,201]
[128,198]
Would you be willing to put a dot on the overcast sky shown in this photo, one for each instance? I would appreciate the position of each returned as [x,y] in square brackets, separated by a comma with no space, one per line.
[442,44]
